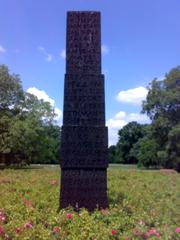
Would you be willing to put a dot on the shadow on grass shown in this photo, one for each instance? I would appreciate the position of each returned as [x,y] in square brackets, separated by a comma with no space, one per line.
[19,168]
[150,168]
[27,167]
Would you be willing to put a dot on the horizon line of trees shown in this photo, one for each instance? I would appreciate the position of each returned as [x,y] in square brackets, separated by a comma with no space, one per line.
[29,133]
[156,144]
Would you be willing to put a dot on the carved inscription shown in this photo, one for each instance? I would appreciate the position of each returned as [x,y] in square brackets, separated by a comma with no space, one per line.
[83,43]
[84,147]
[84,100]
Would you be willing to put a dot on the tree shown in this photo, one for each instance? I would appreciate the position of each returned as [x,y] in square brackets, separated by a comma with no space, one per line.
[50,145]
[11,97]
[112,154]
[27,133]
[147,152]
[128,136]
[5,138]
[145,149]
[163,106]
[173,147]
[11,92]
[35,108]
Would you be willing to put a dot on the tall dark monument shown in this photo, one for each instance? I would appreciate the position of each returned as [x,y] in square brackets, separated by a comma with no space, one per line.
[84,135]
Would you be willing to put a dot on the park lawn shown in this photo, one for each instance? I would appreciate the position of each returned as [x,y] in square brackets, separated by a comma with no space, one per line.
[144,204]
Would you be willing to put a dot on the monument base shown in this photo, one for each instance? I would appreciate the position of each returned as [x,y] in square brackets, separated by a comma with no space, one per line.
[84,188]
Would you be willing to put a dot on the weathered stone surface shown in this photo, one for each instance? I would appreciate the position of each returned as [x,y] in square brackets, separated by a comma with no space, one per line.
[84,135]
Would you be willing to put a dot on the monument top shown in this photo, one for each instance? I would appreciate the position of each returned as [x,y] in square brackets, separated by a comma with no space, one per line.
[83,48]
[85,12]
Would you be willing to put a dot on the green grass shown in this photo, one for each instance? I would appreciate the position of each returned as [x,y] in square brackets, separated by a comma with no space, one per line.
[144,204]
[123,166]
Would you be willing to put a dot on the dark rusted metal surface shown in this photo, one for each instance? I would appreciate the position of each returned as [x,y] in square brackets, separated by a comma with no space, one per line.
[84,135]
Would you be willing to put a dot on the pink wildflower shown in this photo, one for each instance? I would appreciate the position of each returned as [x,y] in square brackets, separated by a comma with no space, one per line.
[104,212]
[136,232]
[158,234]
[113,232]
[2,216]
[2,231]
[56,230]
[178,229]
[27,203]
[7,237]
[69,216]
[18,230]
[53,182]
[28,225]
[153,231]
[141,223]
[145,235]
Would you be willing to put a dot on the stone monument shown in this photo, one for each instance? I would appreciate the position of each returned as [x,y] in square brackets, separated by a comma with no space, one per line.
[84,141]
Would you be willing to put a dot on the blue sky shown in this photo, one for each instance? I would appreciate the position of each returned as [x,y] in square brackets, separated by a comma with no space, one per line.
[140,41]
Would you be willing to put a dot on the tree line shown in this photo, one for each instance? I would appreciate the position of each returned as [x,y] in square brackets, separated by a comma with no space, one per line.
[156,144]
[28,133]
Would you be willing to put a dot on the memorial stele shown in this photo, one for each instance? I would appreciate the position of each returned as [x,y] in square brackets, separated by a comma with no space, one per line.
[84,138]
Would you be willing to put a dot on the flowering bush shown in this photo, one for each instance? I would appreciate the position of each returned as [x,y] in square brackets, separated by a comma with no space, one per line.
[142,205]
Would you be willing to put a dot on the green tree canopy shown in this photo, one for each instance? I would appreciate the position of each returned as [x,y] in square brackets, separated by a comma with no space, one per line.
[112,154]
[163,107]
[11,92]
[27,133]
[128,136]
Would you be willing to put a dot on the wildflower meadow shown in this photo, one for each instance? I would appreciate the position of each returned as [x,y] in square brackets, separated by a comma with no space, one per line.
[143,204]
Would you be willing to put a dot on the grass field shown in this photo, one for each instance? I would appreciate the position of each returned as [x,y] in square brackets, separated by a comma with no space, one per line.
[144,204]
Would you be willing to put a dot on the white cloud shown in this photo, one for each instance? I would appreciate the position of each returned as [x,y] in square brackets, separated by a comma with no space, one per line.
[141,118]
[120,115]
[2,49]
[40,94]
[104,49]
[133,96]
[120,120]
[114,123]
[48,56]
[63,54]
